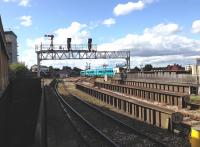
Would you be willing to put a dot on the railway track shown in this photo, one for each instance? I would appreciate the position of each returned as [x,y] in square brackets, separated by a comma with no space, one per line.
[113,129]
[59,125]
[92,135]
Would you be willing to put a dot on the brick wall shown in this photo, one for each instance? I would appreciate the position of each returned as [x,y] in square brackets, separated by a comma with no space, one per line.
[3,60]
[3,71]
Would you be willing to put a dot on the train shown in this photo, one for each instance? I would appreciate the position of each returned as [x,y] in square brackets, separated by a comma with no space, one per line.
[110,72]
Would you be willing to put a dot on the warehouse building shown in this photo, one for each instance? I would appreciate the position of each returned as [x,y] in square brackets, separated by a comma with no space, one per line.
[4,57]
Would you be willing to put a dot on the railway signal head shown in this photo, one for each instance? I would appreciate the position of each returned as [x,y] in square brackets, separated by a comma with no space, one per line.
[89,44]
[49,36]
[69,43]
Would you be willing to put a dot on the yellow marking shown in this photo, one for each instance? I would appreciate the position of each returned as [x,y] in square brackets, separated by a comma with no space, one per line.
[195,137]
[195,133]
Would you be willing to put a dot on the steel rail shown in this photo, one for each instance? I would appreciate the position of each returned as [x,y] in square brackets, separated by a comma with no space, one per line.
[161,144]
[66,105]
[120,122]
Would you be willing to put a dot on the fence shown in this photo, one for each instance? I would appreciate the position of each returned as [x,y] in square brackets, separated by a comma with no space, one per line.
[173,78]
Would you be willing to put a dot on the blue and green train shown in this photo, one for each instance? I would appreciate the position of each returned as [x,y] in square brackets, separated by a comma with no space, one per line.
[110,72]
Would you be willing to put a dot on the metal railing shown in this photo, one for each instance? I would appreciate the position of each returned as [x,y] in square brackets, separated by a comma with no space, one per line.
[64,47]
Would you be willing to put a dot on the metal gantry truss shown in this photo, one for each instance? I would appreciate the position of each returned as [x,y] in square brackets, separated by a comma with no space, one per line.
[60,52]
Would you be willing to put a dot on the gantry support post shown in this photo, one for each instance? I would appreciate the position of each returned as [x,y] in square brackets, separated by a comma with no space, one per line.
[38,64]
[61,52]
[128,61]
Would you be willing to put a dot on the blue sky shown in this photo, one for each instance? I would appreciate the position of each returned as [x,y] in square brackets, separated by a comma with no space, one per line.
[159,32]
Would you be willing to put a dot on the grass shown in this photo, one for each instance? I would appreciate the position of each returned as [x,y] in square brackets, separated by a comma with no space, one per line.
[195,99]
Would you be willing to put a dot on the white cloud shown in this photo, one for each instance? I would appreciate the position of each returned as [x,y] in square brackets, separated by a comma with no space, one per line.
[149,44]
[24,3]
[108,22]
[28,54]
[159,45]
[161,36]
[162,60]
[124,9]
[164,29]
[26,21]
[31,43]
[75,31]
[196,26]
[78,32]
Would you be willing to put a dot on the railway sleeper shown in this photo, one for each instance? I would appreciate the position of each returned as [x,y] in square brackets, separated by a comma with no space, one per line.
[149,113]
[168,98]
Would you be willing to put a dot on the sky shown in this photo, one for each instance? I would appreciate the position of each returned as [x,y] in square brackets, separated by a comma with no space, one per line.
[157,32]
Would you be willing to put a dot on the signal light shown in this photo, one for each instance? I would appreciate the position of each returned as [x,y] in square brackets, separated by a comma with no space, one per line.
[69,43]
[89,44]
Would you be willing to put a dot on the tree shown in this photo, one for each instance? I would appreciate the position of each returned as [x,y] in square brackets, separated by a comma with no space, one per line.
[76,71]
[66,68]
[50,68]
[135,69]
[18,69]
[148,67]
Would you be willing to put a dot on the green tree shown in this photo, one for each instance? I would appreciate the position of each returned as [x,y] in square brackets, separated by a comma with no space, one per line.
[135,69]
[148,67]
[76,71]
[18,69]
[50,68]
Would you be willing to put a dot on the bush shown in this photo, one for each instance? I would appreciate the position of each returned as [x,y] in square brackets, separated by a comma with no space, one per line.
[53,82]
[18,69]
[148,67]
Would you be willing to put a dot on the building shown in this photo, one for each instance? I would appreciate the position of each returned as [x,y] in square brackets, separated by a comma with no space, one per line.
[44,69]
[175,67]
[4,57]
[195,68]
[188,68]
[11,42]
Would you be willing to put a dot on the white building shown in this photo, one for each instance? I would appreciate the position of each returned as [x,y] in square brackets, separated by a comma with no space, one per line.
[42,68]
[195,68]
[188,67]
